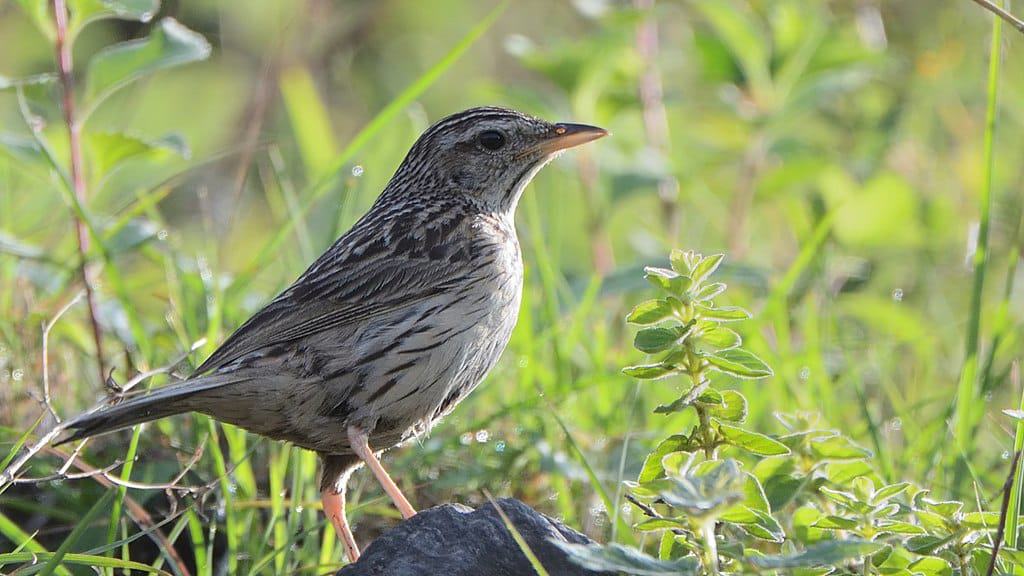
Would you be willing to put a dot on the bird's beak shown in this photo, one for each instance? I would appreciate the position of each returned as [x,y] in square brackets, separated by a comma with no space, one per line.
[571,135]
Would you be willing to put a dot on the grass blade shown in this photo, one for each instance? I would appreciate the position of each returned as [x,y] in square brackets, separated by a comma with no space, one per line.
[967,409]
[81,528]
[1013,510]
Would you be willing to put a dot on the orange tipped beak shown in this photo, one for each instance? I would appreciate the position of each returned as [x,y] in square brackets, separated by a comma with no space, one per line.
[571,135]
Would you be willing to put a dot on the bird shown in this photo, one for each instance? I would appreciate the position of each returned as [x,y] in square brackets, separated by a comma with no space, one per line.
[393,325]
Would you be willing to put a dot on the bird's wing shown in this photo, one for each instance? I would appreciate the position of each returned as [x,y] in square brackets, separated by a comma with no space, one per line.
[382,264]
[342,298]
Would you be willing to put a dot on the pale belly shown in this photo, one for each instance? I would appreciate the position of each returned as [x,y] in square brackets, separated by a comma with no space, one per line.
[435,353]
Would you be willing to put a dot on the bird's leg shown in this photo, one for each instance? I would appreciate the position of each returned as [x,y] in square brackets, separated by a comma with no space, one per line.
[359,441]
[334,508]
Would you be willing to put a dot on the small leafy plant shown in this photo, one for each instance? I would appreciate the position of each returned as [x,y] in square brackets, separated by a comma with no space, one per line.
[807,501]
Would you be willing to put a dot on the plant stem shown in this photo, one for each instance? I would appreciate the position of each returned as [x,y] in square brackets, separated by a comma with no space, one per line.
[710,548]
[64,71]
[1004,14]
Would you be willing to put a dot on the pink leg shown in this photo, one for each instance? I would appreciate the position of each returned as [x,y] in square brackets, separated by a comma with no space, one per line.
[360,445]
[334,508]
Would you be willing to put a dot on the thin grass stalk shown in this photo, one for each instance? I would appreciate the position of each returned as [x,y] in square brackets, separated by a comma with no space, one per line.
[1013,509]
[62,45]
[968,387]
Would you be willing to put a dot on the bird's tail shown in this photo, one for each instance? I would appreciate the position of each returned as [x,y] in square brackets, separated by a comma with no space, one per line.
[165,401]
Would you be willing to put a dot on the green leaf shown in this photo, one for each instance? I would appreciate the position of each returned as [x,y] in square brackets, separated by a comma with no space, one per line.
[739,363]
[733,407]
[706,267]
[169,45]
[837,447]
[651,524]
[926,543]
[843,498]
[653,467]
[657,339]
[618,558]
[981,520]
[723,313]
[110,149]
[842,473]
[751,441]
[650,371]
[899,527]
[23,150]
[86,11]
[835,523]
[717,339]
[822,554]
[931,566]
[765,528]
[668,280]
[650,312]
[709,291]
[886,492]
[683,261]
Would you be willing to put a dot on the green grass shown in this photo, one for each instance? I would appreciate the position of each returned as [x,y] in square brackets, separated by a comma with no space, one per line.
[860,161]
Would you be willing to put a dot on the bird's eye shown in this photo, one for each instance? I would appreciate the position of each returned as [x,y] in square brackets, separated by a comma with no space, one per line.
[492,139]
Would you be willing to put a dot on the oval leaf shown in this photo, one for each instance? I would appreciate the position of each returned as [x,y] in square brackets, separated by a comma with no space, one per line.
[739,363]
[650,312]
[752,441]
[169,45]
[650,371]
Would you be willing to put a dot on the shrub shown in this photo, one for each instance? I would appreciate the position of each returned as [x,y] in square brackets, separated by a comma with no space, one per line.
[725,499]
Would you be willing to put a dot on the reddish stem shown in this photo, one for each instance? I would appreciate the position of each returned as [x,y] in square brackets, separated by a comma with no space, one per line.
[64,70]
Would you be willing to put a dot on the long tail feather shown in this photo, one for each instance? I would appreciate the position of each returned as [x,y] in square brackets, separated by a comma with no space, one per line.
[166,401]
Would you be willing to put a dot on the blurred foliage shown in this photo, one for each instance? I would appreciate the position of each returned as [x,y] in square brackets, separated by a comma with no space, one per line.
[833,149]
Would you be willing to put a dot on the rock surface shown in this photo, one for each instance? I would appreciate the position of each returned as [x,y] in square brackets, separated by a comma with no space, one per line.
[455,540]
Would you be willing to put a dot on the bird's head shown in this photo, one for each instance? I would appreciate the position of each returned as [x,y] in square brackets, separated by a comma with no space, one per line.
[488,153]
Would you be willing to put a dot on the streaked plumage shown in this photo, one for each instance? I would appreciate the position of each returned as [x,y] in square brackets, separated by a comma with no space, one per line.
[397,321]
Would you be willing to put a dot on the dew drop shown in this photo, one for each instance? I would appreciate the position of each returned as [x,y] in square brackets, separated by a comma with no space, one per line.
[524,361]
[897,295]
[499,446]
[896,424]
[299,509]
[18,374]
[233,488]
[162,235]
[357,171]
[805,374]
[466,439]
[482,436]
[1006,455]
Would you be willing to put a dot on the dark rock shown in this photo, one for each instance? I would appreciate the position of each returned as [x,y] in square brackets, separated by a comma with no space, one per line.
[455,540]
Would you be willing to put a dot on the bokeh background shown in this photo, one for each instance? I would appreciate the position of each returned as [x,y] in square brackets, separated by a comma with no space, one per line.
[834,150]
